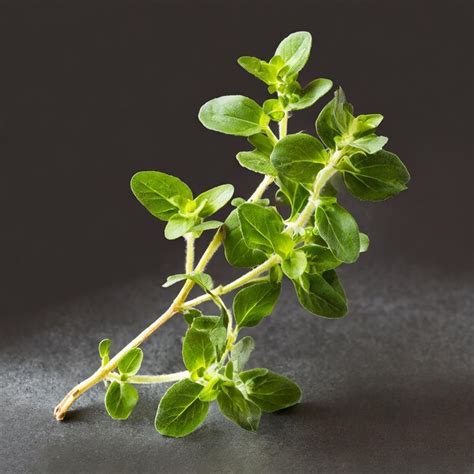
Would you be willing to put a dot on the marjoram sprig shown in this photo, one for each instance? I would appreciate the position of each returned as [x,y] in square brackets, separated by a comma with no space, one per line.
[304,235]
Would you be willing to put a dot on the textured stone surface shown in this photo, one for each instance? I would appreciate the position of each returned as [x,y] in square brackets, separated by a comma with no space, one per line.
[387,389]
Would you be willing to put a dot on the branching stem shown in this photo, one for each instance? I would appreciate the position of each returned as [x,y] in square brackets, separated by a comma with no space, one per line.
[150,379]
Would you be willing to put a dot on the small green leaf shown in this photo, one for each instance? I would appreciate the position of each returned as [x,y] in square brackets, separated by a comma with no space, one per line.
[294,265]
[241,352]
[179,225]
[369,143]
[233,115]
[294,50]
[262,143]
[364,242]
[321,295]
[274,109]
[339,229]
[311,94]
[215,328]
[237,253]
[104,348]
[207,225]
[229,370]
[198,350]
[120,400]
[335,119]
[191,314]
[131,362]
[202,279]
[180,410]
[262,229]
[320,258]
[160,193]
[257,162]
[292,193]
[270,391]
[375,177]
[258,68]
[214,199]
[236,408]
[255,302]
[299,157]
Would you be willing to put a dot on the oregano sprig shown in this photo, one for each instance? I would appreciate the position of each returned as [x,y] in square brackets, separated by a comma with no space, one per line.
[304,234]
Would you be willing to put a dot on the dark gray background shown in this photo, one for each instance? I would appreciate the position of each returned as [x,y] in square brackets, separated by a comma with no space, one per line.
[94,91]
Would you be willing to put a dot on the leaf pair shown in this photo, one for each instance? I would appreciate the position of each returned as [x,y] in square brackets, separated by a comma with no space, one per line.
[182,409]
[169,199]
[338,128]
[121,397]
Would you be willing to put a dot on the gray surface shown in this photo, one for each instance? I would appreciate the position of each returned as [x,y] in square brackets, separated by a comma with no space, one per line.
[387,389]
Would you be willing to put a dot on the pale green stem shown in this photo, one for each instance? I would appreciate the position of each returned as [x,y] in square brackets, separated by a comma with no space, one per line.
[258,193]
[150,379]
[283,126]
[243,280]
[271,135]
[189,266]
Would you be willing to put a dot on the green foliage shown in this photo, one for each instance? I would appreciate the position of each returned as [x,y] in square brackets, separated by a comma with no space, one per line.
[339,229]
[255,302]
[374,177]
[299,157]
[321,294]
[269,391]
[233,115]
[262,229]
[131,362]
[317,236]
[180,410]
[234,406]
[120,400]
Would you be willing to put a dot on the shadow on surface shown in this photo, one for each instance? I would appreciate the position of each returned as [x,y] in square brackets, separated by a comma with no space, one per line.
[418,428]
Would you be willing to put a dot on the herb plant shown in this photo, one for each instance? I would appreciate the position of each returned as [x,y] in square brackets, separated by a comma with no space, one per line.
[304,236]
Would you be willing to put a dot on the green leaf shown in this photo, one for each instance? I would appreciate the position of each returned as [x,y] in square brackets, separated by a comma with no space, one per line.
[320,258]
[120,400]
[258,68]
[369,143]
[202,279]
[180,410]
[294,50]
[241,352]
[257,162]
[364,242]
[214,199]
[191,314]
[229,370]
[179,225]
[198,350]
[335,119]
[270,391]
[274,109]
[131,362]
[366,123]
[236,408]
[104,348]
[321,295]
[262,229]
[339,229]
[262,143]
[215,328]
[294,265]
[233,115]
[237,253]
[207,225]
[311,94]
[374,177]
[299,157]
[160,193]
[255,302]
[292,193]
